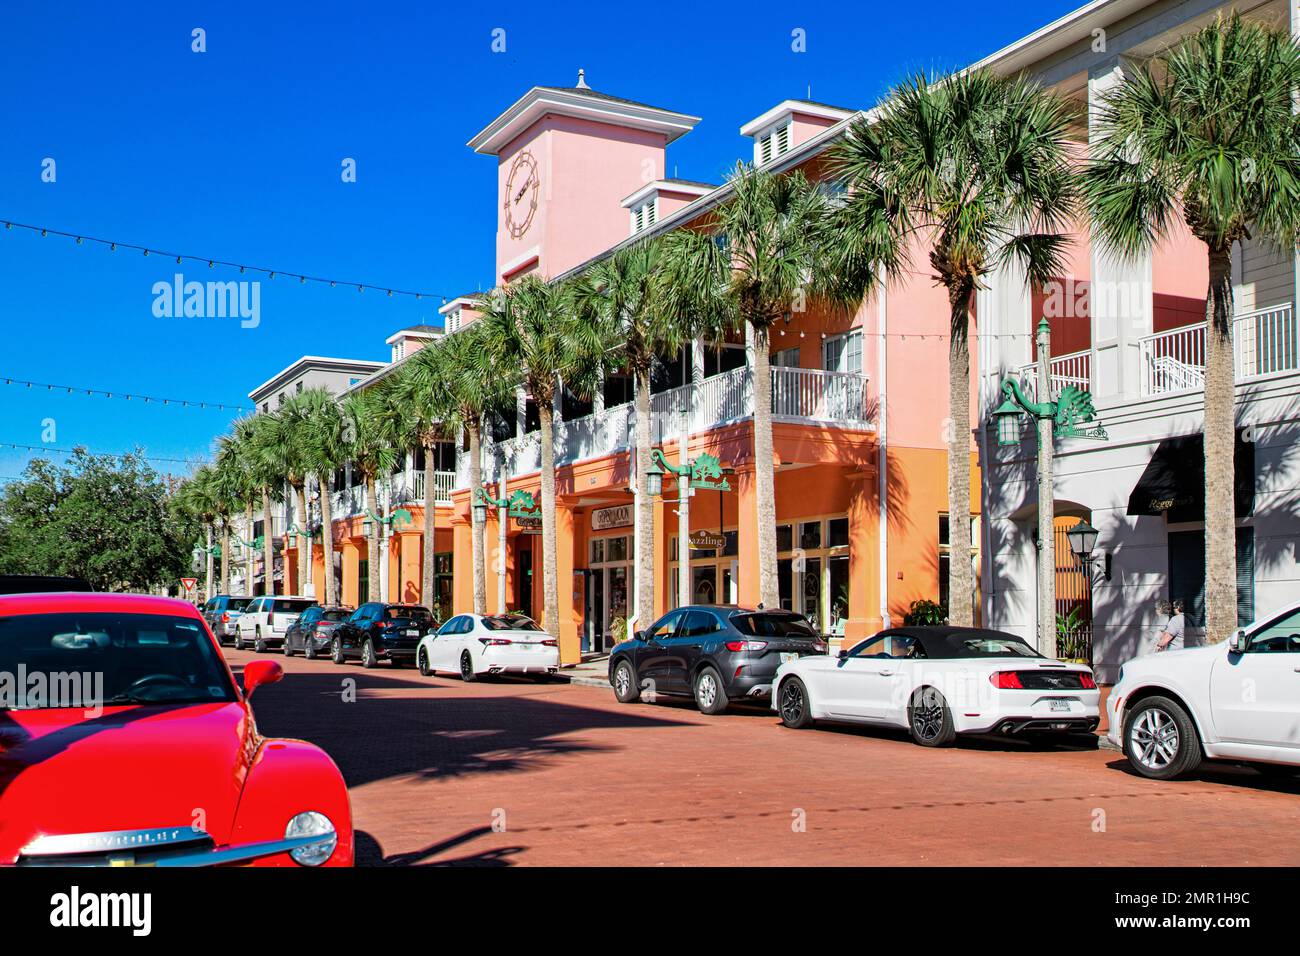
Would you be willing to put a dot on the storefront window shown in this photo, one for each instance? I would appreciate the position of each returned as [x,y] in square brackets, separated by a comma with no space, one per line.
[810,535]
[784,537]
[616,549]
[837,533]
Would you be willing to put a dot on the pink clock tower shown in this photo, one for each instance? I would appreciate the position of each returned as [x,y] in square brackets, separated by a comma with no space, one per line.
[566,159]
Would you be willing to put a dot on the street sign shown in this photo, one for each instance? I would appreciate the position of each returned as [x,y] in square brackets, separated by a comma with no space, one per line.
[189,583]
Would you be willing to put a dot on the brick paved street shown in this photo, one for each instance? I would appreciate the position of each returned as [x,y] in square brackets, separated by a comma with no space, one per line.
[584,780]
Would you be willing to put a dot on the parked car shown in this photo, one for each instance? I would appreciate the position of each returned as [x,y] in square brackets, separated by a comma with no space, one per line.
[108,771]
[265,620]
[312,631]
[938,682]
[1235,700]
[713,653]
[474,644]
[222,614]
[381,632]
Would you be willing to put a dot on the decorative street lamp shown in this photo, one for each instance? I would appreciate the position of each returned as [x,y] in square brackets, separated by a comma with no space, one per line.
[483,501]
[702,472]
[1083,539]
[1064,417]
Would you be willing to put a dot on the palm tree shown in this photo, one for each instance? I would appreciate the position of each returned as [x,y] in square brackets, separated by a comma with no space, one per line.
[1209,132]
[466,390]
[325,447]
[529,329]
[626,305]
[285,451]
[418,384]
[367,417]
[267,468]
[235,460]
[767,251]
[974,166]
[197,496]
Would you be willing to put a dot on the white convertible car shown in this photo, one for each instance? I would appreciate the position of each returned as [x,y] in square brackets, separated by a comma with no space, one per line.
[475,644]
[1235,700]
[939,682]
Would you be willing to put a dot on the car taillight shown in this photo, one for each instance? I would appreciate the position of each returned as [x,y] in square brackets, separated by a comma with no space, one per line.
[225,617]
[551,642]
[1006,680]
[746,645]
[495,641]
[1086,682]
[270,617]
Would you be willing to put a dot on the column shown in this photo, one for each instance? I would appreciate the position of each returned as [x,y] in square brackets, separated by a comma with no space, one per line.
[747,536]
[1120,293]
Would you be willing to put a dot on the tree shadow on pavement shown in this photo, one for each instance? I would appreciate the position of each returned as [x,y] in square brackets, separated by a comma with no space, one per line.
[370,853]
[400,727]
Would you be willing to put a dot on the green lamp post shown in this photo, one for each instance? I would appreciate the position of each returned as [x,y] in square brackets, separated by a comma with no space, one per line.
[702,472]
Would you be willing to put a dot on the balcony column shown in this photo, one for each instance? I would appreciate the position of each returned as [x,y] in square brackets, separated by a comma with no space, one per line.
[1120,295]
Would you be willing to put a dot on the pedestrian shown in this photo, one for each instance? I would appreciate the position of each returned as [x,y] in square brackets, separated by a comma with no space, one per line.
[1171,638]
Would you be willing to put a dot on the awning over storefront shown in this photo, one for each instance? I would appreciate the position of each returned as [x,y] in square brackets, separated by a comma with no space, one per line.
[1173,483]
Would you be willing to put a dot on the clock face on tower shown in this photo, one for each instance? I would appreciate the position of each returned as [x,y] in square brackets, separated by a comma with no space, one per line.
[521,194]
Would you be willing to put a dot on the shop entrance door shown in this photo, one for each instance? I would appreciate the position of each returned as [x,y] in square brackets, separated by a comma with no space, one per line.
[704,585]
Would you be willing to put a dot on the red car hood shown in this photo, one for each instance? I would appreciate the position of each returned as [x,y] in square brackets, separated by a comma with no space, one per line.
[129,768]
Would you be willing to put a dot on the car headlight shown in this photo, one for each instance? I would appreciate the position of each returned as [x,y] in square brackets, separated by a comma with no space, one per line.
[311,823]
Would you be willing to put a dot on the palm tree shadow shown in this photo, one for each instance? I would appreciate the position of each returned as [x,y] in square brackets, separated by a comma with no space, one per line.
[369,852]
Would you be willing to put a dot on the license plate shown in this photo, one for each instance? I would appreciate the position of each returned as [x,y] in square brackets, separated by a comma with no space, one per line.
[1058,705]
[412,632]
[788,656]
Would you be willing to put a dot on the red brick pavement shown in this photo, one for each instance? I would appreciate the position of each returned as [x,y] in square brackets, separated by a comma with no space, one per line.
[577,778]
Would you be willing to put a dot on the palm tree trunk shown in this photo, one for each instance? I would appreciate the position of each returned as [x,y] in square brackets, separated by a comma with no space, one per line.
[477,544]
[961,586]
[550,552]
[248,550]
[304,537]
[769,587]
[225,555]
[1220,441]
[372,542]
[645,508]
[207,563]
[430,502]
[327,539]
[268,543]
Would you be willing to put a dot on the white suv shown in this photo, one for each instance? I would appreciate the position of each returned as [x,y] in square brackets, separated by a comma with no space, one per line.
[1237,700]
[265,620]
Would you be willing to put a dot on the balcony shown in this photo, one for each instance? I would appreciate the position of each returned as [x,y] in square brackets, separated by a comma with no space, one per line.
[801,396]
[1264,343]
[1073,369]
[443,483]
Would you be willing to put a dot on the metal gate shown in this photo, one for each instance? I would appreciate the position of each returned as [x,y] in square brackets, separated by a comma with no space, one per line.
[1073,599]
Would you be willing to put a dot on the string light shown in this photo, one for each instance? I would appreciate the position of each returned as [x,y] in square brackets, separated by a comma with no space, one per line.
[181,258]
[182,402]
[73,451]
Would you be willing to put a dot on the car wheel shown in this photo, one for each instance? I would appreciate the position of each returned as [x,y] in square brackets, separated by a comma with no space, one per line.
[710,698]
[259,645]
[422,661]
[368,657]
[288,651]
[792,704]
[467,668]
[929,720]
[1160,739]
[625,689]
[309,648]
[336,650]
[239,642]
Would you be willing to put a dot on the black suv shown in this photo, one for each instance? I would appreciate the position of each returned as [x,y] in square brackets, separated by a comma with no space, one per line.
[381,632]
[713,653]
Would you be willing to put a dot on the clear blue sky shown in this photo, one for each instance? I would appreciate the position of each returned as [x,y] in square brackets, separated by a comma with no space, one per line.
[235,154]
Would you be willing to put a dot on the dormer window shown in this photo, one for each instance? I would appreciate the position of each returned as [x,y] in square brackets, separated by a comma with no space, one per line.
[452,322]
[399,350]
[645,214]
[772,142]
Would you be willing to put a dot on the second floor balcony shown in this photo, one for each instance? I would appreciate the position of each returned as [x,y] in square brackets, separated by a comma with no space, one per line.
[1264,342]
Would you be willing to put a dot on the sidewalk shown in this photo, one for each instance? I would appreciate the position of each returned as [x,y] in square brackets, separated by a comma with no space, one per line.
[593,672]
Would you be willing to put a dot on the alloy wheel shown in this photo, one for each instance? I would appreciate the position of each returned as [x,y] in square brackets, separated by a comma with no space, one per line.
[1153,739]
[706,690]
[622,680]
[792,705]
[927,717]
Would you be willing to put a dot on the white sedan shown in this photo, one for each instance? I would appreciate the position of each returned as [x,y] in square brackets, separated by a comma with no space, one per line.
[938,682]
[1235,700]
[474,644]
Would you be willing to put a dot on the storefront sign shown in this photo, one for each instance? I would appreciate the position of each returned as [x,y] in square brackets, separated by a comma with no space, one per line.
[528,524]
[708,540]
[620,516]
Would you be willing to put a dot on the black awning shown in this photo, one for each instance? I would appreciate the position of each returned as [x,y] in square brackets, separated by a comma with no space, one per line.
[1173,483]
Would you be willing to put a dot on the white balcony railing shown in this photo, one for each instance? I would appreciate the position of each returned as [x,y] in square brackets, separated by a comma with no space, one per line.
[1073,369]
[443,484]
[1264,342]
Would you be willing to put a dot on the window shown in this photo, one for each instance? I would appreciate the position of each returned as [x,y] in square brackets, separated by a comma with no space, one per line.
[665,628]
[698,624]
[399,351]
[810,535]
[772,624]
[618,390]
[298,388]
[944,551]
[452,322]
[644,215]
[1187,574]
[510,622]
[784,537]
[837,533]
[843,353]
[1279,635]
[786,358]
[772,142]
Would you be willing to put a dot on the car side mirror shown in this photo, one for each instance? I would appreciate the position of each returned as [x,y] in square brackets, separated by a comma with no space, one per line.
[640,636]
[1237,642]
[843,655]
[257,673]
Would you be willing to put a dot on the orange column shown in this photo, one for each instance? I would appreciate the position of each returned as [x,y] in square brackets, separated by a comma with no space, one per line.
[350,590]
[746,538]
[570,587]
[409,558]
[462,569]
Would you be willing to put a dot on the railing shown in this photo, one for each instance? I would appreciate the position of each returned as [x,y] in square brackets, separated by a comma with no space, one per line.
[812,394]
[1264,342]
[443,484]
[1062,370]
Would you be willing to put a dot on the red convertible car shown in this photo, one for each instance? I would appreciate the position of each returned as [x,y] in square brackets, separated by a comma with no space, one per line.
[124,740]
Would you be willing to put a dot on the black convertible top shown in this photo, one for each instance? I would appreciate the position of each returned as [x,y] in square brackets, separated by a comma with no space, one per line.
[946,641]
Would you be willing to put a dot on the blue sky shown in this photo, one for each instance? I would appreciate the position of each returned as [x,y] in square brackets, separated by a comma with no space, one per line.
[236,153]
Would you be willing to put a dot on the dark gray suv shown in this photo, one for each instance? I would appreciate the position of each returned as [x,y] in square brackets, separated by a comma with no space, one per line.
[714,653]
[222,612]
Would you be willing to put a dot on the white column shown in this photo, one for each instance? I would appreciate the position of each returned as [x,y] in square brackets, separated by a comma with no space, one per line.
[503,525]
[1120,294]
[383,490]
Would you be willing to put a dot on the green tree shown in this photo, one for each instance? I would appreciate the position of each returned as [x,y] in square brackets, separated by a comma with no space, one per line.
[1208,132]
[367,418]
[973,167]
[325,447]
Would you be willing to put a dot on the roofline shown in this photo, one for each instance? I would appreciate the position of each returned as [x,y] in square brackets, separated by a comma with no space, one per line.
[539,101]
[313,361]
[665,186]
[411,334]
[458,302]
[824,111]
